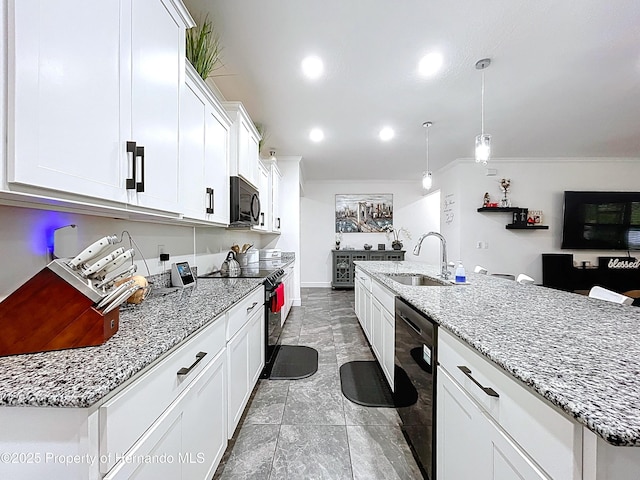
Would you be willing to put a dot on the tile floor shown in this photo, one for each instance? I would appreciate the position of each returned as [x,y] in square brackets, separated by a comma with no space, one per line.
[306,429]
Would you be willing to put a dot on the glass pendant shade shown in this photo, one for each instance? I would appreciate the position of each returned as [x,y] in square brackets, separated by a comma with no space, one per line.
[427,180]
[483,148]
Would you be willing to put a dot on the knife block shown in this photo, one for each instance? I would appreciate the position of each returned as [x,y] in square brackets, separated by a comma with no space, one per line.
[49,313]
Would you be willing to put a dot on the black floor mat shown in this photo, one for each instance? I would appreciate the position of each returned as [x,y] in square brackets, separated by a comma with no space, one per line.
[294,362]
[364,383]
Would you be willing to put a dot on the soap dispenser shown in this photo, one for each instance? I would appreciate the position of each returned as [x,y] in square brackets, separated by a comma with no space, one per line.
[460,273]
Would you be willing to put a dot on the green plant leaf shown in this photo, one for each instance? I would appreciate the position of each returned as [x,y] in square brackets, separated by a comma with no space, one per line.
[203,48]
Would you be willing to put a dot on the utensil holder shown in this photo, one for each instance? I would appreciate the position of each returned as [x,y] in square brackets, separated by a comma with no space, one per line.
[50,312]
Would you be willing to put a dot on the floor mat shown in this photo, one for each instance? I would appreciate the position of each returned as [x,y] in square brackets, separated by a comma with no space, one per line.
[364,383]
[294,362]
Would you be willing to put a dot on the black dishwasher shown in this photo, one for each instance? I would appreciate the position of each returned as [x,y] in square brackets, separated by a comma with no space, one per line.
[416,353]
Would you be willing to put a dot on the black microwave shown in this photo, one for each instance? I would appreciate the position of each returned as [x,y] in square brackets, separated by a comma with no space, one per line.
[245,203]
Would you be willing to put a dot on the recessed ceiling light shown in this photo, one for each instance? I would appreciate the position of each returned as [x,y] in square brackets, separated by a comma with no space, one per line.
[386,134]
[312,67]
[316,135]
[430,64]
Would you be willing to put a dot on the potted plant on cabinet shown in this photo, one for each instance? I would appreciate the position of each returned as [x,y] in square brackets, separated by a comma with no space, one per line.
[391,232]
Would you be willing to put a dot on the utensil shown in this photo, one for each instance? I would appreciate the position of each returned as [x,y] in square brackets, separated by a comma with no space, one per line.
[235,248]
[246,247]
[118,301]
[114,293]
[115,276]
[93,250]
[100,264]
[111,266]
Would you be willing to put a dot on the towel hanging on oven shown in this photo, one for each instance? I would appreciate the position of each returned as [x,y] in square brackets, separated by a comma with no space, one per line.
[277,301]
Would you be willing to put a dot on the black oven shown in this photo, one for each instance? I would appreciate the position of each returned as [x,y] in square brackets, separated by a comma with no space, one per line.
[245,203]
[273,322]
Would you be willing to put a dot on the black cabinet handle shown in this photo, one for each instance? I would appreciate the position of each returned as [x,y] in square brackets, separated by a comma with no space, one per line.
[488,390]
[262,219]
[252,306]
[131,182]
[278,223]
[140,184]
[186,371]
[210,194]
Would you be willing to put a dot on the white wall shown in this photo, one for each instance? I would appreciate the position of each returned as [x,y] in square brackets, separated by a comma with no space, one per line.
[413,210]
[537,184]
[26,233]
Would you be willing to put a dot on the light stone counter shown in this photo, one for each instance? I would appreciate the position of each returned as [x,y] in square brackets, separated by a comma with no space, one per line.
[579,353]
[80,377]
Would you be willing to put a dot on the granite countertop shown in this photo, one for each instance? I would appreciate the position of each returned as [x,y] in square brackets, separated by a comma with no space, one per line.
[581,354]
[81,377]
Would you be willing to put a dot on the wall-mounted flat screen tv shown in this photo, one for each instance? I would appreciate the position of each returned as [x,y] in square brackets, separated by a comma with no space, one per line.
[601,220]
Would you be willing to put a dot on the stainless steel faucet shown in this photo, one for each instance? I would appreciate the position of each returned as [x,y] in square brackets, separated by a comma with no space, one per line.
[444,271]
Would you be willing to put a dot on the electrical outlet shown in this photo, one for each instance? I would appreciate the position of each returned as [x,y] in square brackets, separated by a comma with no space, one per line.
[479,245]
[160,251]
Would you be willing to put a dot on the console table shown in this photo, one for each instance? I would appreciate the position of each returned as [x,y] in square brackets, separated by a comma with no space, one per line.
[344,269]
[559,272]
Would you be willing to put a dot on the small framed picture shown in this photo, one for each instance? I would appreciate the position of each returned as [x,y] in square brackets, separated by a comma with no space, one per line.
[381,246]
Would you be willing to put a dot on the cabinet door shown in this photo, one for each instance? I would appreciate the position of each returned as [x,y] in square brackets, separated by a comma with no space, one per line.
[244,164]
[238,368]
[462,450]
[265,202]
[216,166]
[388,346]
[358,299]
[204,422]
[368,313]
[157,74]
[64,97]
[275,200]
[204,142]
[256,346]
[193,195]
[471,445]
[376,328]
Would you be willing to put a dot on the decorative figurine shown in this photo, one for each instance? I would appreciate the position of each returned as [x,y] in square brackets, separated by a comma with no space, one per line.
[505,183]
[487,200]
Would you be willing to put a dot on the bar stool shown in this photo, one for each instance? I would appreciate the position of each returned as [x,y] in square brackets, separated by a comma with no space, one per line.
[524,279]
[609,295]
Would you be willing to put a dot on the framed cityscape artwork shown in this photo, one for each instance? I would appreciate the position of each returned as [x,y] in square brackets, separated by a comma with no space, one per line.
[368,212]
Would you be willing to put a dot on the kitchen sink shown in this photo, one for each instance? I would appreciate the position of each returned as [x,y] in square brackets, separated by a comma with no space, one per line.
[417,280]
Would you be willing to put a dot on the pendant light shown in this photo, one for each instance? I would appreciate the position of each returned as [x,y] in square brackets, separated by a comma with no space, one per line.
[427,179]
[483,141]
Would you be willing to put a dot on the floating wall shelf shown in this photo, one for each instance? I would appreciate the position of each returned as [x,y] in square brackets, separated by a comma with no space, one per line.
[513,226]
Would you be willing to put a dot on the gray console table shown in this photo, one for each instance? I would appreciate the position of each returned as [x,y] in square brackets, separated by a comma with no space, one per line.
[344,269]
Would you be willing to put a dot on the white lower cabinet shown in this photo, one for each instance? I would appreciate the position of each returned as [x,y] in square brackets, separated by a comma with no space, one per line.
[471,445]
[245,356]
[188,439]
[375,308]
[491,427]
[288,281]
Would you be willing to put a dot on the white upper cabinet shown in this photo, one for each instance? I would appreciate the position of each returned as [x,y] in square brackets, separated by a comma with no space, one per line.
[204,160]
[276,221]
[78,95]
[244,144]
[264,190]
[156,66]
[64,97]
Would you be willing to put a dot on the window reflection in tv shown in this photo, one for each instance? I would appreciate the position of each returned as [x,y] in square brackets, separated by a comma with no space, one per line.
[601,220]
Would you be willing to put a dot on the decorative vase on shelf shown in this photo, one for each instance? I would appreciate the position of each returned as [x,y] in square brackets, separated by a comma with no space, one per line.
[396,245]
[337,245]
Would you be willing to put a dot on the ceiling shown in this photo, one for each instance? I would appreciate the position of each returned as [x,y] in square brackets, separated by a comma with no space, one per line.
[564,79]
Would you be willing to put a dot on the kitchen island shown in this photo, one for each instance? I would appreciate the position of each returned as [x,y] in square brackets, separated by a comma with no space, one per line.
[581,355]
[123,400]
